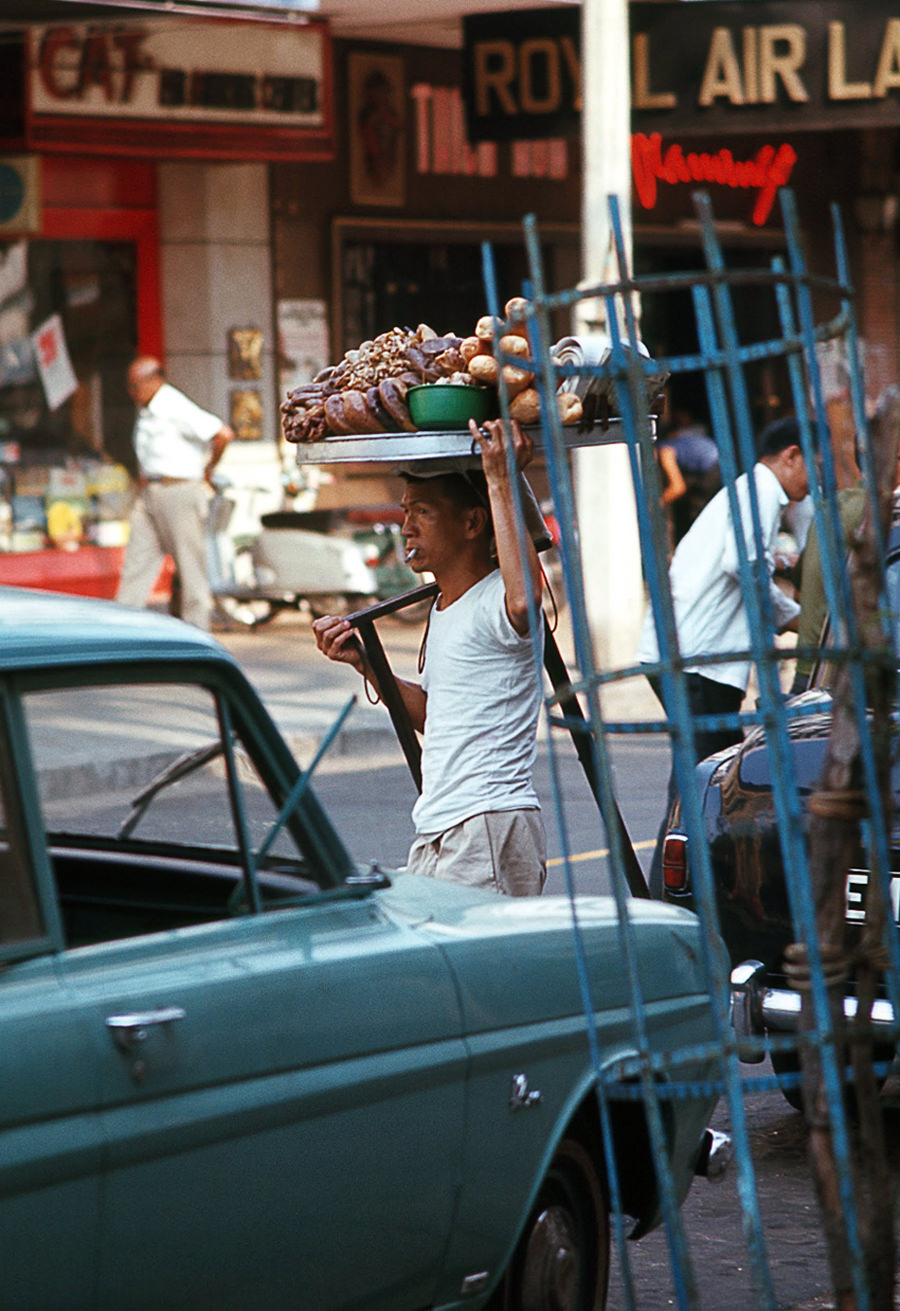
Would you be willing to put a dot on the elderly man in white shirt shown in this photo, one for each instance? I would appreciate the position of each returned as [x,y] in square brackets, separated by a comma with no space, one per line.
[177,445]
[710,615]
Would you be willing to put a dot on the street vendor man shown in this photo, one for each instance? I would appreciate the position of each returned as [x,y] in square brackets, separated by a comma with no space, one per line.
[478,819]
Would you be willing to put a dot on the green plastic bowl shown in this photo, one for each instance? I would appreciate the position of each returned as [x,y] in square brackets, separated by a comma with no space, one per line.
[448,406]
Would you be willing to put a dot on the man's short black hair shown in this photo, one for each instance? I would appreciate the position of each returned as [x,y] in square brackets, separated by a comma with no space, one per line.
[778,436]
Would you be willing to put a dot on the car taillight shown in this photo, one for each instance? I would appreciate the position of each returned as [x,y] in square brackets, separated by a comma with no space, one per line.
[675,863]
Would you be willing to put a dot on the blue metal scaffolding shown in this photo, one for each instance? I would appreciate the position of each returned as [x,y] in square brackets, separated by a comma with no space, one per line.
[723,360]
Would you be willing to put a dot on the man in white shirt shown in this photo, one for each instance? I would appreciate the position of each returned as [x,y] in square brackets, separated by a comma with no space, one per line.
[177,445]
[711,619]
[478,817]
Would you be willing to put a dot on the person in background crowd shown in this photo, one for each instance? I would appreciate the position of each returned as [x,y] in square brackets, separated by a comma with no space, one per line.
[478,818]
[812,629]
[697,461]
[177,445]
[674,485]
[710,615]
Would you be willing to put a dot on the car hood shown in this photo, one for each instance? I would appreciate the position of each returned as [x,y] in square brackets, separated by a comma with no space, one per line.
[515,958]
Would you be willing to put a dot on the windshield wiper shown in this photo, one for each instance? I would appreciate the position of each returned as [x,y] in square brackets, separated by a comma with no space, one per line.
[180,768]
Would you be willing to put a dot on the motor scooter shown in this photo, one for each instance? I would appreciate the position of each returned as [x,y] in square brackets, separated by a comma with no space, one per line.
[318,560]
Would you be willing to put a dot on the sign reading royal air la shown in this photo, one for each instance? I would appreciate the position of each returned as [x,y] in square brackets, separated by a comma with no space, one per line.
[196,87]
[698,66]
[522,74]
[716,67]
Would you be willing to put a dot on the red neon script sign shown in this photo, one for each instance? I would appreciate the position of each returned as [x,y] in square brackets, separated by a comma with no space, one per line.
[766,172]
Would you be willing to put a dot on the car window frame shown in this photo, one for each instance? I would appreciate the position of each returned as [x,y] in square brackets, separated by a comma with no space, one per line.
[25,825]
[279,771]
[239,709]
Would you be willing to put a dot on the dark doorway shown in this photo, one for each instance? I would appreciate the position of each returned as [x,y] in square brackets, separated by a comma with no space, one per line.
[388,284]
[669,328]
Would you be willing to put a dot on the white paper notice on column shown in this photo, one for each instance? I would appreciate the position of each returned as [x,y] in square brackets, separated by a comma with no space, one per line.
[302,341]
[54,365]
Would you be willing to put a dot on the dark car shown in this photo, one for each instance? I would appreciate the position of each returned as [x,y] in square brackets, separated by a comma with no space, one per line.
[741,829]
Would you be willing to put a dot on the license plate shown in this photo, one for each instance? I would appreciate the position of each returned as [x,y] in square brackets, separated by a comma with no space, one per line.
[857,880]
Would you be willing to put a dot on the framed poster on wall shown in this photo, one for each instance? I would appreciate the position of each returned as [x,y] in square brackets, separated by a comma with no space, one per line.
[377,128]
[247,414]
[244,354]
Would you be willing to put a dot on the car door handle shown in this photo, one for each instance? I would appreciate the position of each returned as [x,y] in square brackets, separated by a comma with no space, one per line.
[130,1029]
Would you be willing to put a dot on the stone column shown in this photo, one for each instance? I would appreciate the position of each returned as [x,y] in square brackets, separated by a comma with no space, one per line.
[604,492]
[216,275]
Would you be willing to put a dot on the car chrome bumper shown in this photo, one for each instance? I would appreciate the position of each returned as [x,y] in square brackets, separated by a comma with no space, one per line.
[757,1009]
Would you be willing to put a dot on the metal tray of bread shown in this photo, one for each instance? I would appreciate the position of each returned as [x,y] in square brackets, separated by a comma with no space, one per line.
[390,447]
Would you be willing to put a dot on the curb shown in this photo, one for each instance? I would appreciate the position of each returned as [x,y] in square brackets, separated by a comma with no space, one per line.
[364,744]
[132,773]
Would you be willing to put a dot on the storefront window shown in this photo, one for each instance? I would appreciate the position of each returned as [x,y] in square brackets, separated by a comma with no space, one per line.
[68,329]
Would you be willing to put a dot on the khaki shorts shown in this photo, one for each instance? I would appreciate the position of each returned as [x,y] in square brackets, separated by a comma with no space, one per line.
[503,850]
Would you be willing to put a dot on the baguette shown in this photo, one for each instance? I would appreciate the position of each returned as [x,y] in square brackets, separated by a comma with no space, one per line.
[485,328]
[515,380]
[514,344]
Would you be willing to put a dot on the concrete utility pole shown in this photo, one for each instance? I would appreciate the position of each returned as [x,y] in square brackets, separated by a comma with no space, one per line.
[604,493]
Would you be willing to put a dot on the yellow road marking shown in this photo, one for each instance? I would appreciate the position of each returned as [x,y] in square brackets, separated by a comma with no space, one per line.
[598,855]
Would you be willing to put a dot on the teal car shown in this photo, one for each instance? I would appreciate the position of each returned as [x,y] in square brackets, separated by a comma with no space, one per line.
[241,1070]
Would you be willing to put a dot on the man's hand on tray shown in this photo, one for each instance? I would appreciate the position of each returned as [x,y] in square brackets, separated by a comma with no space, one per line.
[492,439]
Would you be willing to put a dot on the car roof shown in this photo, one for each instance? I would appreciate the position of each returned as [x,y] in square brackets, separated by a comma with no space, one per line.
[46,629]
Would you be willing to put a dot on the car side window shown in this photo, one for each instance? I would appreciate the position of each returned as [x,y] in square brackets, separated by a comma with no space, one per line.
[139,811]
